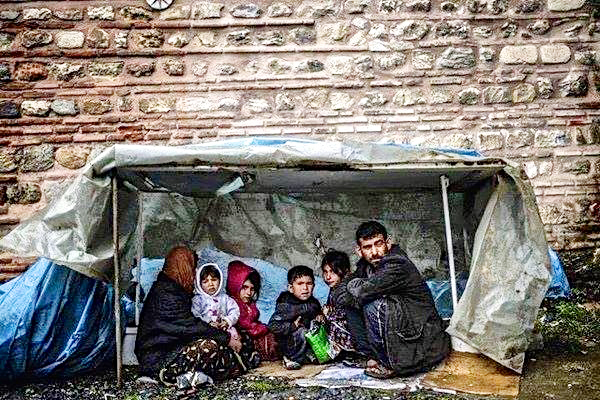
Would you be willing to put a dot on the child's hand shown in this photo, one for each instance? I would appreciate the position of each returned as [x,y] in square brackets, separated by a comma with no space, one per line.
[223,325]
[298,323]
[320,318]
[326,310]
[214,324]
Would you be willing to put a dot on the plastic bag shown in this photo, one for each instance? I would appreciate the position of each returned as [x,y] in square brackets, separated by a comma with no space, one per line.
[317,339]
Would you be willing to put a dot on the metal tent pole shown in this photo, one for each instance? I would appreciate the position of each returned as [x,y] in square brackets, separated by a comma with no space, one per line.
[117,281]
[139,255]
[444,183]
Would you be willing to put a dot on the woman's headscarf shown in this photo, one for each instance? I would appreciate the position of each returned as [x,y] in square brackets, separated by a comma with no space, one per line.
[180,265]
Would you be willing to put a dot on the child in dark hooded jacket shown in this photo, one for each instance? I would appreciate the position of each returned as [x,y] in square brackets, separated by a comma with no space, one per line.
[243,285]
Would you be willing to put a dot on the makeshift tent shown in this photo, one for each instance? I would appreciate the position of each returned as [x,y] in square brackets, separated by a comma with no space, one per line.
[287,200]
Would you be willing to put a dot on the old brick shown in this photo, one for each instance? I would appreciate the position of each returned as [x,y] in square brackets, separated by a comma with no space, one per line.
[65,71]
[102,13]
[98,38]
[174,66]
[9,109]
[37,108]
[23,193]
[31,71]
[151,38]
[96,106]
[105,68]
[72,157]
[70,39]
[69,14]
[140,68]
[36,158]
[35,38]
[135,13]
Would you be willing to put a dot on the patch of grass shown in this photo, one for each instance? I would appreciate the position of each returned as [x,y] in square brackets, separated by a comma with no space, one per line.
[263,386]
[567,325]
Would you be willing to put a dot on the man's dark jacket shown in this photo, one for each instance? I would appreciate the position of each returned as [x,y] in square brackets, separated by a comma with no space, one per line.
[167,324]
[416,339]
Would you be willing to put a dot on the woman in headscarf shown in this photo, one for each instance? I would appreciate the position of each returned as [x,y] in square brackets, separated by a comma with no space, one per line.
[171,343]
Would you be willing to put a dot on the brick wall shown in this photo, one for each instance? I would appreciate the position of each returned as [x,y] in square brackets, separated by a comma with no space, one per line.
[513,78]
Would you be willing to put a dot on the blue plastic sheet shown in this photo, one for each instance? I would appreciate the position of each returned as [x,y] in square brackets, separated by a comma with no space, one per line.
[559,285]
[54,322]
[442,295]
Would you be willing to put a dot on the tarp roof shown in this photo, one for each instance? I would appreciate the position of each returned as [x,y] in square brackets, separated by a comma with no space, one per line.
[509,265]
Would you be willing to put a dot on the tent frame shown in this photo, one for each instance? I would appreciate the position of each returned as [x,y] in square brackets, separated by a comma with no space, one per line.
[404,167]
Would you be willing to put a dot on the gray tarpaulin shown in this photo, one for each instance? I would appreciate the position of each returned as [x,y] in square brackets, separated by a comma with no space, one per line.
[295,198]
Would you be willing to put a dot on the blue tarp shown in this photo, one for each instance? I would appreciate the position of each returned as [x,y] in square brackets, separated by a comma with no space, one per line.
[559,285]
[54,322]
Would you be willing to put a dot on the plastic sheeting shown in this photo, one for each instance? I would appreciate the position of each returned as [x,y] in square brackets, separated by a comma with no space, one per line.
[559,286]
[54,322]
[509,268]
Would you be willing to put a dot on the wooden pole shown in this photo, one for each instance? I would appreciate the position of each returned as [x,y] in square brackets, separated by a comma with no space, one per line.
[117,281]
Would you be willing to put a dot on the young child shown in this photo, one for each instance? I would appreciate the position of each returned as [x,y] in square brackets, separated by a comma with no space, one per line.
[243,285]
[294,312]
[211,304]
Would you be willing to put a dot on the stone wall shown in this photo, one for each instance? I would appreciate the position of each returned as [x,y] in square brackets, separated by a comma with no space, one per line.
[513,78]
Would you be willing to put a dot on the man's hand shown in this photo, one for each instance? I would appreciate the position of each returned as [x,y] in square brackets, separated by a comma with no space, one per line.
[235,343]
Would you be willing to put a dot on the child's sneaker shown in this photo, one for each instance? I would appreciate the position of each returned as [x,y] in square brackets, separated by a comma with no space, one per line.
[290,364]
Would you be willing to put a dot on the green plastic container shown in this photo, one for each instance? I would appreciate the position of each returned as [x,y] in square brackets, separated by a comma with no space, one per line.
[317,338]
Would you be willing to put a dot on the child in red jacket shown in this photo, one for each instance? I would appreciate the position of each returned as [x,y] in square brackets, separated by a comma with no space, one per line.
[243,285]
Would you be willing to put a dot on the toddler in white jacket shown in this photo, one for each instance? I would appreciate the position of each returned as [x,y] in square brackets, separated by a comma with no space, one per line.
[210,303]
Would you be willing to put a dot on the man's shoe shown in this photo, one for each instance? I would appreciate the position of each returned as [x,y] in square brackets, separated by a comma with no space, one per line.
[290,364]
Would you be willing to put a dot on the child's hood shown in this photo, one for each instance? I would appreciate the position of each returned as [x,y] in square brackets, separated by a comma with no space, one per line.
[198,283]
[237,273]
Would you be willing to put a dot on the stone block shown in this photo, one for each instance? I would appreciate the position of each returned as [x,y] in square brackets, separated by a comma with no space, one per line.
[36,108]
[136,13]
[575,84]
[4,72]
[526,54]
[151,38]
[205,10]
[239,37]
[9,161]
[195,104]
[469,96]
[226,69]
[459,29]
[372,99]
[520,138]
[174,66]
[106,13]
[524,93]
[284,102]
[98,38]
[577,167]
[334,32]
[490,140]
[565,5]
[9,109]
[271,38]
[9,15]
[176,12]
[339,65]
[410,30]
[156,105]
[545,88]
[36,158]
[70,39]
[303,35]
[23,193]
[179,39]
[64,107]
[31,71]
[228,104]
[355,6]
[392,61]
[586,57]
[457,57]
[528,6]
[69,14]
[72,157]
[249,10]
[36,13]
[422,59]
[555,53]
[418,5]
[206,38]
[121,39]
[496,94]
[551,138]
[34,38]
[539,27]
[257,106]
[141,68]
[308,66]
[315,98]
[340,101]
[408,97]
[276,10]
[65,71]
[105,68]
[199,68]
[96,106]
[441,96]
